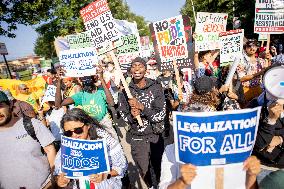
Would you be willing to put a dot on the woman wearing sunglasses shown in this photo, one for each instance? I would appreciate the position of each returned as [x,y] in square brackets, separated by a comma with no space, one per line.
[77,124]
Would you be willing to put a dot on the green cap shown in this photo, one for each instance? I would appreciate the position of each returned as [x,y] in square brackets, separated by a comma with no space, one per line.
[3,97]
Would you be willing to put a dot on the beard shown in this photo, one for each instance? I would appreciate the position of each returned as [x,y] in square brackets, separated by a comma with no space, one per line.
[8,119]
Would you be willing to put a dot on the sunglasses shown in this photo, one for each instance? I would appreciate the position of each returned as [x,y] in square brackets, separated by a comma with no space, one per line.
[78,131]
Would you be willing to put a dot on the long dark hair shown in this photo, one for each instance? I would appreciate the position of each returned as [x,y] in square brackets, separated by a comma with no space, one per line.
[80,115]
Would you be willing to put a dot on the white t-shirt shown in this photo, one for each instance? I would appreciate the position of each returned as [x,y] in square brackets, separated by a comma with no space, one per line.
[54,120]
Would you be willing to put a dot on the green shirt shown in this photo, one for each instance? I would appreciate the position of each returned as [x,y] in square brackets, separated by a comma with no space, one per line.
[93,104]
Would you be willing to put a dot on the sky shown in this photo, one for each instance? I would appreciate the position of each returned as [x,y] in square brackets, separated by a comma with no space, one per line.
[152,10]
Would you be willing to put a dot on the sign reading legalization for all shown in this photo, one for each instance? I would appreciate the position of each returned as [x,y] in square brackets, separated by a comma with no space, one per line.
[269,16]
[98,19]
[208,27]
[232,45]
[49,94]
[215,138]
[81,40]
[79,62]
[81,158]
[171,40]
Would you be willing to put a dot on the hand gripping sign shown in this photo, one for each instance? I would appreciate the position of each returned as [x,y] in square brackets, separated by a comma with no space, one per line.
[81,158]
[215,138]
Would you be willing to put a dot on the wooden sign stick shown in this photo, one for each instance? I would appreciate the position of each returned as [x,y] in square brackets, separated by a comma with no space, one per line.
[219,178]
[177,79]
[262,43]
[124,83]
[267,50]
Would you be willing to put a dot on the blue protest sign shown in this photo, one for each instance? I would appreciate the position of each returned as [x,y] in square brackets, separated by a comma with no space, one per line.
[81,158]
[215,138]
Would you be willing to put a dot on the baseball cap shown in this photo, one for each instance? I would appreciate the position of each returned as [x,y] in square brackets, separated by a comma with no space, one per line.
[3,97]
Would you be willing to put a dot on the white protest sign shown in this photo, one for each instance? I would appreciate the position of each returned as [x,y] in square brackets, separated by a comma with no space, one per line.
[98,19]
[269,16]
[262,37]
[49,94]
[79,62]
[81,40]
[208,27]
[232,46]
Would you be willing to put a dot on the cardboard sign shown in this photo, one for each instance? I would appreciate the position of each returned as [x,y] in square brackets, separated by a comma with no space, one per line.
[79,62]
[80,40]
[269,17]
[232,46]
[99,21]
[215,138]
[49,94]
[208,27]
[131,44]
[262,37]
[3,49]
[170,38]
[81,158]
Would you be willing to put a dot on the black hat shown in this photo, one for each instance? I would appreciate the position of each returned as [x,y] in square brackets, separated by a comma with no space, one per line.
[204,84]
[139,59]
[3,97]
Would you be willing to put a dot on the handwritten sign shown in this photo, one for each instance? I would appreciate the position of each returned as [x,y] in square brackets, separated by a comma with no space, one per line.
[171,40]
[232,46]
[98,19]
[215,138]
[79,62]
[208,27]
[181,63]
[130,44]
[49,94]
[80,40]
[269,17]
[80,158]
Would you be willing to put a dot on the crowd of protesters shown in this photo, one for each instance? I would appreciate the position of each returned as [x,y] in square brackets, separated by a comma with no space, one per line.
[92,107]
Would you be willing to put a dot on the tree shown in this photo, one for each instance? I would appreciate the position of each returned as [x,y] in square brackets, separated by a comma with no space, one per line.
[234,8]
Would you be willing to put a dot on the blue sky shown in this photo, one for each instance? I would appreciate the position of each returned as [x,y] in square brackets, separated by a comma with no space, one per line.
[152,10]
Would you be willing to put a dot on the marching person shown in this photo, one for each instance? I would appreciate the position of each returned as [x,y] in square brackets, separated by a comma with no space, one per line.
[148,101]
[92,99]
[22,163]
[76,123]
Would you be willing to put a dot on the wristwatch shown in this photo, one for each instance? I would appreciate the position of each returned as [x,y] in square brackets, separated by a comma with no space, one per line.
[108,176]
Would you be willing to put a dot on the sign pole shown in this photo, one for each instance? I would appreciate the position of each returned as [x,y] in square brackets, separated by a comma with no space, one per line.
[177,78]
[219,178]
[124,83]
[7,66]
[267,50]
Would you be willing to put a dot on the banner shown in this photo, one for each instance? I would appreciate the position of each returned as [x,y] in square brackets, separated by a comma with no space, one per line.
[36,85]
[208,27]
[81,158]
[215,138]
[49,94]
[81,40]
[79,62]
[232,46]
[269,17]
[170,38]
[98,20]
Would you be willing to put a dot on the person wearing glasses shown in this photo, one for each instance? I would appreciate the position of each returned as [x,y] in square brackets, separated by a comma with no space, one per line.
[250,70]
[78,124]
[25,95]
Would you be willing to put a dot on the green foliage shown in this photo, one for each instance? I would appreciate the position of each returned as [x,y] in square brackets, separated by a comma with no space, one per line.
[243,9]
[54,18]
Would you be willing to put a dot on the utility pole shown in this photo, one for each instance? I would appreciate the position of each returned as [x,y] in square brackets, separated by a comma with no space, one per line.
[7,66]
[3,51]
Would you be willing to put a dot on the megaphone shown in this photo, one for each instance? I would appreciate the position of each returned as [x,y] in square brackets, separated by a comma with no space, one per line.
[273,81]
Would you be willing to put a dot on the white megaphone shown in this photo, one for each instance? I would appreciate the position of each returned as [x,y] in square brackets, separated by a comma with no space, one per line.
[273,81]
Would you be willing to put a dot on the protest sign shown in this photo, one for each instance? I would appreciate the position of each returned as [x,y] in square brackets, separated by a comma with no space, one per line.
[131,44]
[269,17]
[98,20]
[49,94]
[45,64]
[80,40]
[208,27]
[81,158]
[125,60]
[171,39]
[262,37]
[145,47]
[232,46]
[79,62]
[61,44]
[215,138]
[181,63]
